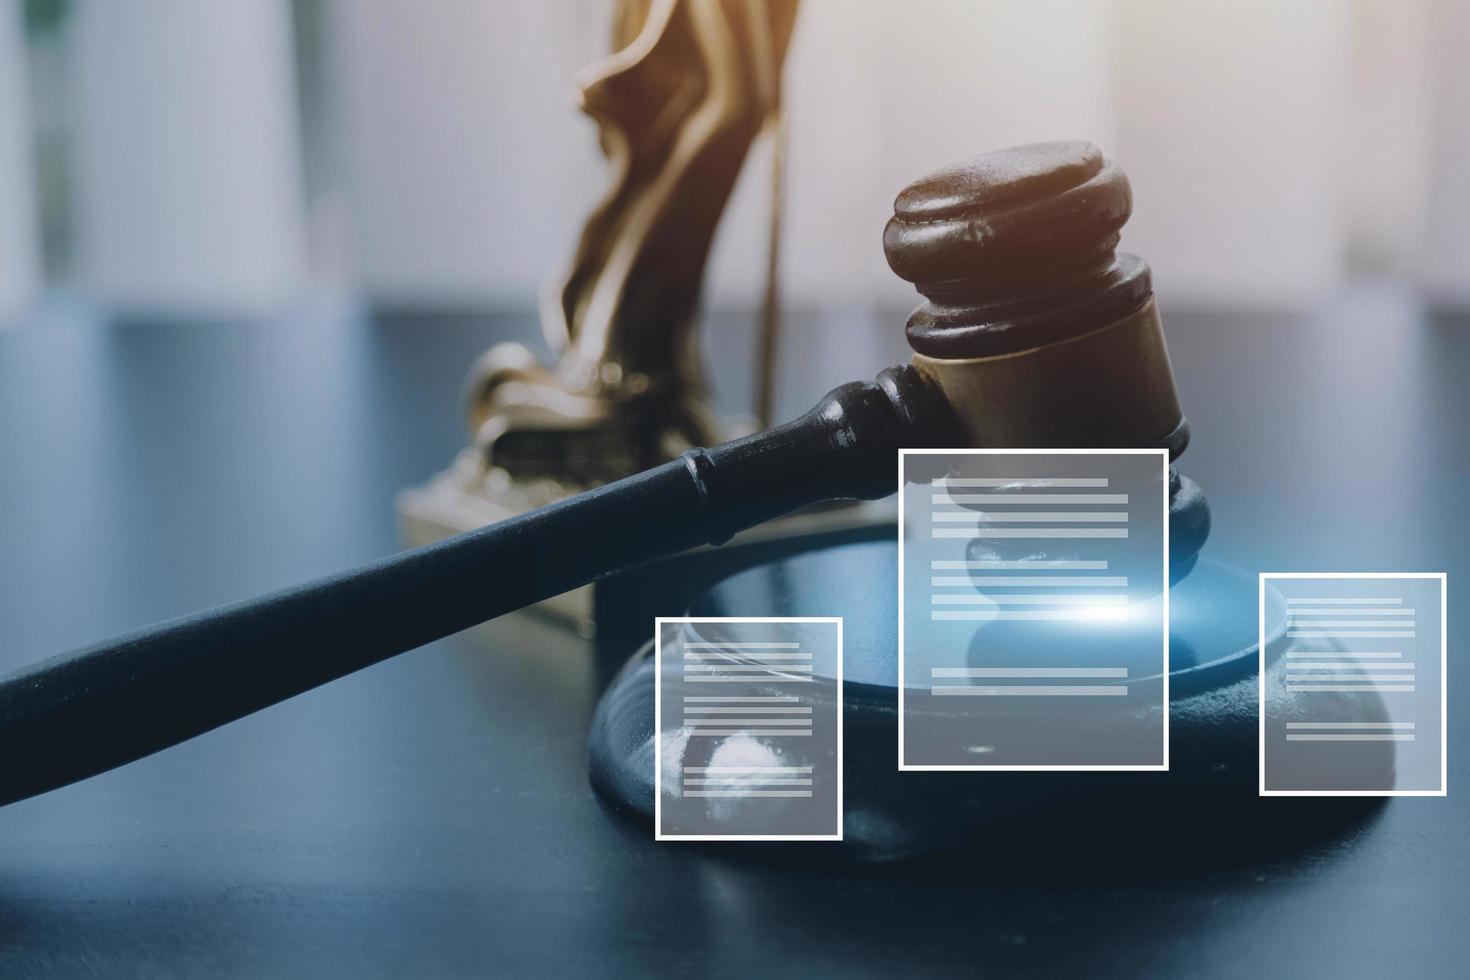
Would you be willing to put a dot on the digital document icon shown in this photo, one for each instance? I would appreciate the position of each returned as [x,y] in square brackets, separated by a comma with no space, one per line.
[748,729]
[1352,688]
[1033,609]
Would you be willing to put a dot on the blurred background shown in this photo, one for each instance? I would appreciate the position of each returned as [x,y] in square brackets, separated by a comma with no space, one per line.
[234,159]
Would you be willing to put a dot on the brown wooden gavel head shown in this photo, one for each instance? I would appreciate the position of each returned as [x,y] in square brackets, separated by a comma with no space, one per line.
[1036,330]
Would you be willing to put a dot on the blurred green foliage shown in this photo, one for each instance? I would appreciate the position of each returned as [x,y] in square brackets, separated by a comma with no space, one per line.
[44,16]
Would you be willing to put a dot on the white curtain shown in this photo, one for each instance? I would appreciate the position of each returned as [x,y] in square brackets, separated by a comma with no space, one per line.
[1445,250]
[465,166]
[19,252]
[1276,149]
[184,164]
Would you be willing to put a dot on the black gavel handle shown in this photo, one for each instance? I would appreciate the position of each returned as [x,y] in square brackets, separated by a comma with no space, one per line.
[88,711]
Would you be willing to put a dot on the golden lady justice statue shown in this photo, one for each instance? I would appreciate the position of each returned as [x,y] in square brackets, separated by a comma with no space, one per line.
[691,85]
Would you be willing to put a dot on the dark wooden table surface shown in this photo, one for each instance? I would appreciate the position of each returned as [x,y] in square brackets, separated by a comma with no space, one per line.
[432,816]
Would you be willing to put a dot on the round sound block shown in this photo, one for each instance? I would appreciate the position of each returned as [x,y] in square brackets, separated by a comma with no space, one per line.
[1210,790]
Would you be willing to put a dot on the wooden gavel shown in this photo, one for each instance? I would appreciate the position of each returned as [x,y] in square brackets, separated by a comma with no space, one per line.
[1034,333]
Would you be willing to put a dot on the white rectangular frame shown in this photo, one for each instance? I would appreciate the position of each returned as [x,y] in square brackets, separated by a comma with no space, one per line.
[1444,704]
[658,794]
[1163,455]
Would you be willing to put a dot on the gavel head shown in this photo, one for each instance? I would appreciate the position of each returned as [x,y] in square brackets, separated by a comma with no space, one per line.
[1035,329]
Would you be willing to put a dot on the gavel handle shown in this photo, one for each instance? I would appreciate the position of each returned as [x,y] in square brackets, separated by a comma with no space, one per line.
[88,711]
